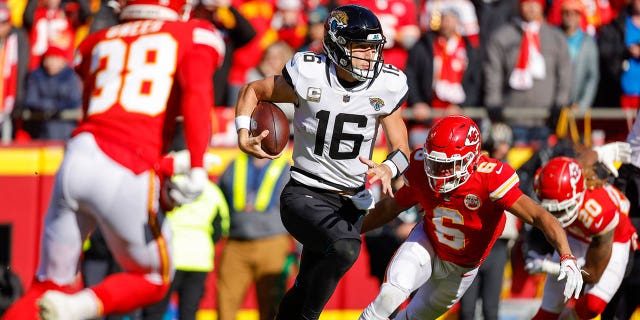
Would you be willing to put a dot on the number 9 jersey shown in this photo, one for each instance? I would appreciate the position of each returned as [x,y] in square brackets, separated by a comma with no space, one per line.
[333,125]
[138,76]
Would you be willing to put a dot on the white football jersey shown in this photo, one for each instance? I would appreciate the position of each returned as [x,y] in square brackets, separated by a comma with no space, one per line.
[334,125]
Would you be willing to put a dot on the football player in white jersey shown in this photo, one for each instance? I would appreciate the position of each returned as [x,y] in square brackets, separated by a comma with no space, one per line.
[340,97]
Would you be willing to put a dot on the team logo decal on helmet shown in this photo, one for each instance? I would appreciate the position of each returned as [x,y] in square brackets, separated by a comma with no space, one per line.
[472,202]
[473,136]
[376,103]
[338,19]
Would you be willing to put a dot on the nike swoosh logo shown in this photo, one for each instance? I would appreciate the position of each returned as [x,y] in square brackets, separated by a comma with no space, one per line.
[500,170]
[466,275]
[599,222]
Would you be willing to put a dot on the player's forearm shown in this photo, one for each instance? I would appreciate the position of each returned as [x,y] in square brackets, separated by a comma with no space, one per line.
[247,101]
[598,256]
[554,232]
[384,211]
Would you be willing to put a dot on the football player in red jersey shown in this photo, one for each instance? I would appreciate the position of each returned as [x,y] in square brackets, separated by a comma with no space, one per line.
[138,76]
[600,234]
[464,194]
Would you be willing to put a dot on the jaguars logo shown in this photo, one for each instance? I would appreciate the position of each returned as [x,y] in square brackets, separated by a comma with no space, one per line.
[376,103]
[338,20]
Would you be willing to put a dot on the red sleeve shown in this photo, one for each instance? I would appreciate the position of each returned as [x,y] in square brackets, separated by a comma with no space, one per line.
[502,181]
[196,81]
[406,197]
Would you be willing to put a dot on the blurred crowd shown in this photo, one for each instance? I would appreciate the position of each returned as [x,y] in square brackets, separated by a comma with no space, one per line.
[495,54]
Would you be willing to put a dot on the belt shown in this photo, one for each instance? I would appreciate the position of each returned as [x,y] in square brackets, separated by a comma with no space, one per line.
[342,190]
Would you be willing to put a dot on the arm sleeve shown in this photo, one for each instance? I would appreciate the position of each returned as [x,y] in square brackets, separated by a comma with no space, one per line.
[406,197]
[195,77]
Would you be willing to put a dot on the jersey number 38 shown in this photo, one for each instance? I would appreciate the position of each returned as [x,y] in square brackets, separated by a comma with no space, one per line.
[138,76]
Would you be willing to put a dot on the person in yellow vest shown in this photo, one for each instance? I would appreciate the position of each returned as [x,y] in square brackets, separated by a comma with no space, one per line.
[258,245]
[196,227]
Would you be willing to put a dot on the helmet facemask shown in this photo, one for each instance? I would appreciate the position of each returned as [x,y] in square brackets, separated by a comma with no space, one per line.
[447,173]
[565,211]
[346,61]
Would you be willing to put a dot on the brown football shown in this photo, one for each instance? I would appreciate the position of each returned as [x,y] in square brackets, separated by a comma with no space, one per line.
[268,116]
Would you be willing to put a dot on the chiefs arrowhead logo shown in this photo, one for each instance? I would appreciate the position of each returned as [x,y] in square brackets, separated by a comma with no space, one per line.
[473,137]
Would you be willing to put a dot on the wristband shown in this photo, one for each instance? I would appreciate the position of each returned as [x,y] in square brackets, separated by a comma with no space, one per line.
[243,122]
[397,160]
[567,256]
[394,170]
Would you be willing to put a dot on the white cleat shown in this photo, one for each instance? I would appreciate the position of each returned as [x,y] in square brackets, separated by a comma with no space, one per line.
[55,305]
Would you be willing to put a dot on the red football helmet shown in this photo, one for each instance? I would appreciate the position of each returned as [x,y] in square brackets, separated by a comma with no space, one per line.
[155,9]
[451,152]
[560,187]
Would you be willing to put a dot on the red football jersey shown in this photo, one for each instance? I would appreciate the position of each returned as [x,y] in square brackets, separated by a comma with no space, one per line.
[463,224]
[138,76]
[603,210]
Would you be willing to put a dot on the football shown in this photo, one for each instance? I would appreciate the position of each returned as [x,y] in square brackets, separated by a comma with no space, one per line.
[268,116]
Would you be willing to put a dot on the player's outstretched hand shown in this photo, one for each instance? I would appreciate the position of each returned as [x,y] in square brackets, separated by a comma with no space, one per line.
[569,269]
[253,145]
[380,172]
[187,189]
[612,152]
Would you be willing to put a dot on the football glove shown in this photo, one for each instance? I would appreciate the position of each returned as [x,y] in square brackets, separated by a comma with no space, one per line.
[537,263]
[188,188]
[363,200]
[570,271]
[611,152]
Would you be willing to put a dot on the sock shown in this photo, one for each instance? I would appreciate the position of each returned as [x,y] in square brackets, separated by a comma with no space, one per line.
[125,292]
[26,307]
[387,301]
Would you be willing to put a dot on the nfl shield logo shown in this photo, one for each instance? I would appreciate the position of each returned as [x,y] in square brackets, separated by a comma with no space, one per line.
[346,98]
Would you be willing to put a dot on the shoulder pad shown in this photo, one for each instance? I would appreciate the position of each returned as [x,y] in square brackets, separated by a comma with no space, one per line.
[209,37]
[393,78]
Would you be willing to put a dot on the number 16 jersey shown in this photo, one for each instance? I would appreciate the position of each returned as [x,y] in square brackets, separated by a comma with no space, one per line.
[333,125]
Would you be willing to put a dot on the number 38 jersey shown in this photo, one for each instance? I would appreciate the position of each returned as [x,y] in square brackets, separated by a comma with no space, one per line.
[138,76]
[462,225]
[334,125]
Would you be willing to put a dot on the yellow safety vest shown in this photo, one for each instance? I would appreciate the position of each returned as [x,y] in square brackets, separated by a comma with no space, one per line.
[266,189]
[193,247]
